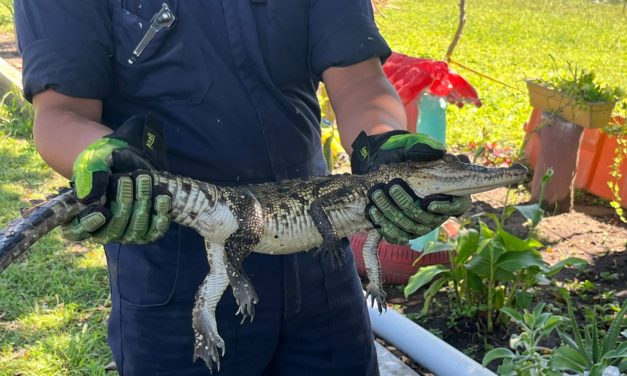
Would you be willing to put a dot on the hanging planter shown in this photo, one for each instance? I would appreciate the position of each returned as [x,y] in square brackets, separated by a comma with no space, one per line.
[576,111]
[575,96]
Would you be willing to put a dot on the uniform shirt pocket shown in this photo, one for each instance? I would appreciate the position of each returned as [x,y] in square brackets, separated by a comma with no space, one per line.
[171,69]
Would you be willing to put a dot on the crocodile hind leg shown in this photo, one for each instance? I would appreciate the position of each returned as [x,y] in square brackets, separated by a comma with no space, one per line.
[239,245]
[243,290]
[319,210]
[208,344]
[373,269]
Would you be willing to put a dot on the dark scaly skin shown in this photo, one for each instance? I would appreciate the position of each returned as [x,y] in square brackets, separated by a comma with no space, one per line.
[239,245]
[37,221]
[277,218]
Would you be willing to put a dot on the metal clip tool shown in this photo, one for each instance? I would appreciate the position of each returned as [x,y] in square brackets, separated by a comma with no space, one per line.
[163,19]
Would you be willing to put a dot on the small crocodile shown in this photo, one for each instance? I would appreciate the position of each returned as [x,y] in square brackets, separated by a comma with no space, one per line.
[274,218]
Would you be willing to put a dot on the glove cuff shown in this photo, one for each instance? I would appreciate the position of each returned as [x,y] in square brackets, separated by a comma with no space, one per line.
[144,135]
[364,147]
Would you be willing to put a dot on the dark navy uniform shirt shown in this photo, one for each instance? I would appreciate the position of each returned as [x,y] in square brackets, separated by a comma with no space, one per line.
[233,81]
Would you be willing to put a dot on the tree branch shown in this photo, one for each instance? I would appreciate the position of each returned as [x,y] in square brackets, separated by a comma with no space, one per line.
[460,27]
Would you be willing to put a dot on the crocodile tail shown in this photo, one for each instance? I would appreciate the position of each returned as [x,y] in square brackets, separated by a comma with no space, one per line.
[37,221]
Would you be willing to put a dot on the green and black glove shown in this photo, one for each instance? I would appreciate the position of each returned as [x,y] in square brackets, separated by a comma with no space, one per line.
[394,209]
[123,205]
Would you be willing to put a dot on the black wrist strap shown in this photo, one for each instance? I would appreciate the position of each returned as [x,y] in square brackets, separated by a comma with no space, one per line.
[144,135]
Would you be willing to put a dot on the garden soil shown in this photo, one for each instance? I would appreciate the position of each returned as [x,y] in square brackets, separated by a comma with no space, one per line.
[592,232]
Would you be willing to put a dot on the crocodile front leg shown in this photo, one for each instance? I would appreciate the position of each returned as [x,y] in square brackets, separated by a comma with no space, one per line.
[373,270]
[319,211]
[240,244]
[208,344]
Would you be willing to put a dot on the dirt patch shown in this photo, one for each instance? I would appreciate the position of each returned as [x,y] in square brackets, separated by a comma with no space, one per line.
[9,52]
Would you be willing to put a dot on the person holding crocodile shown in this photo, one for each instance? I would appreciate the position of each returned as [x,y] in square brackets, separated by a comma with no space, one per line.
[233,83]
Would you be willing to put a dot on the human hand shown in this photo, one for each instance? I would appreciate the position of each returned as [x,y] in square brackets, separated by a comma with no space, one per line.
[122,206]
[394,209]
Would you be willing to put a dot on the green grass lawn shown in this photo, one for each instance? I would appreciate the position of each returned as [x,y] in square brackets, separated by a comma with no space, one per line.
[6,16]
[54,304]
[509,40]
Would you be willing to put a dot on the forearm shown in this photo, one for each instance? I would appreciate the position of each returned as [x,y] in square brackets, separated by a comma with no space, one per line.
[65,126]
[368,103]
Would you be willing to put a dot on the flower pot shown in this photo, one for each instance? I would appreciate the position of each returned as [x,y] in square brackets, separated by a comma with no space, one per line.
[587,115]
[397,261]
[596,155]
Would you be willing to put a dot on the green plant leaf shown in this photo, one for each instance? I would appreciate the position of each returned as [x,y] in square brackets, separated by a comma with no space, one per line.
[513,314]
[619,352]
[498,353]
[512,242]
[596,344]
[474,282]
[537,310]
[573,323]
[467,244]
[613,332]
[484,263]
[423,276]
[535,243]
[435,247]
[566,358]
[529,319]
[516,261]
[552,322]
[568,340]
[598,369]
[328,152]
[507,368]
[576,262]
[431,292]
[502,275]
[494,218]
[532,212]
[523,299]
[485,231]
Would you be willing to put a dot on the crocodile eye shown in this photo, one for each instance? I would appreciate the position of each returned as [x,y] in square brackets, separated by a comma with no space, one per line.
[450,158]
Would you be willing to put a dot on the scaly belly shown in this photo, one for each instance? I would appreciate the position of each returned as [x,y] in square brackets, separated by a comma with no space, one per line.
[284,235]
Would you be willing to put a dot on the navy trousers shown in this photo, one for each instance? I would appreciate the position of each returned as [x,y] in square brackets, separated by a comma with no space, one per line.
[311,319]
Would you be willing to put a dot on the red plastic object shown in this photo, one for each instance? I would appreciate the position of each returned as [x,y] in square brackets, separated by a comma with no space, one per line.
[396,260]
[596,155]
[412,75]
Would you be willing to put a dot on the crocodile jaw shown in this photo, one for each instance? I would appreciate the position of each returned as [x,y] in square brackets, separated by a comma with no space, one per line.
[453,177]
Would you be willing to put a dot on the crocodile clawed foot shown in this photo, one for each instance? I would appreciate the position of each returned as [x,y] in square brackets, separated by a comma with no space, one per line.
[377,295]
[337,254]
[209,348]
[338,258]
[246,298]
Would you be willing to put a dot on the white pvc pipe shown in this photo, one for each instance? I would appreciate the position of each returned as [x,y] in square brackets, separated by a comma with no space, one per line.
[423,347]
